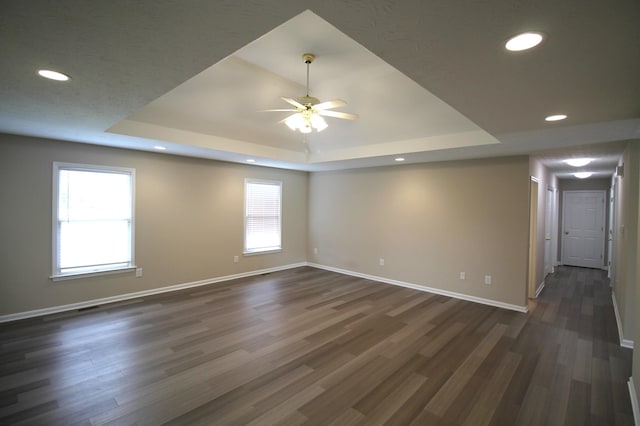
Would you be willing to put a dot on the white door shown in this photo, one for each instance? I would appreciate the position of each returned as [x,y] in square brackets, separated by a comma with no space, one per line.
[583,228]
[548,231]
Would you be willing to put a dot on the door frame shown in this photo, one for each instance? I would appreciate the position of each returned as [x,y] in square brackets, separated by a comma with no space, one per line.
[611,230]
[533,237]
[550,229]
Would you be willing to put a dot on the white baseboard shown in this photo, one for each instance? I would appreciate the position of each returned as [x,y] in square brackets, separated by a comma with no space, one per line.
[634,402]
[540,288]
[127,296]
[455,295]
[625,343]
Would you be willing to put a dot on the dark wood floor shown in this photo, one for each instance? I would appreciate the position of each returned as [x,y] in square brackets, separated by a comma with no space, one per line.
[311,346]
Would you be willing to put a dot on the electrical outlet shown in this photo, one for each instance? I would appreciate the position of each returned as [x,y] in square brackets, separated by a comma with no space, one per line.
[138,272]
[381,262]
[487,279]
[463,275]
[315,250]
[236,259]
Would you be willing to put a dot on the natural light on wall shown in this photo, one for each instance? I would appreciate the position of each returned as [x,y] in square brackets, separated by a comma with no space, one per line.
[93,219]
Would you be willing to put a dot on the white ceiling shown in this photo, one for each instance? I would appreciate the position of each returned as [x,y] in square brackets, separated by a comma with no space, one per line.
[430,80]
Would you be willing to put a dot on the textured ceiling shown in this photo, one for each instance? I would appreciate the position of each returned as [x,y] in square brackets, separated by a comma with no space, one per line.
[125,55]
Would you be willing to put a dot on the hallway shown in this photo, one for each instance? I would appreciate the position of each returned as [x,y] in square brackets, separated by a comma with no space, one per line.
[580,371]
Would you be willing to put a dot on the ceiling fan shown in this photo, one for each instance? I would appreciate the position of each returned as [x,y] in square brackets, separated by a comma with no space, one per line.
[308,111]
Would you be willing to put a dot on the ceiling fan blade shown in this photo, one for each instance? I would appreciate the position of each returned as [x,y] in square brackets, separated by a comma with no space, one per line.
[330,104]
[337,114]
[293,102]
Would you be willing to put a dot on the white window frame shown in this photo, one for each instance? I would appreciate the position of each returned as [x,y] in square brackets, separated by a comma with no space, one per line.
[57,275]
[253,251]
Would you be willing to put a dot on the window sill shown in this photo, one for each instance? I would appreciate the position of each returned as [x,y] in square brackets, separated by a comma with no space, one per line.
[254,253]
[78,275]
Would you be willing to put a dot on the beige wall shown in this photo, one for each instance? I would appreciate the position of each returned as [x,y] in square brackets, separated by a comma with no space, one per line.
[189,221]
[625,239]
[636,283]
[429,222]
[626,271]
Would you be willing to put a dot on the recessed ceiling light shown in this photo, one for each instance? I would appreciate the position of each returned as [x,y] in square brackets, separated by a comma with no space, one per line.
[556,117]
[523,41]
[582,175]
[251,160]
[399,159]
[159,148]
[578,162]
[53,75]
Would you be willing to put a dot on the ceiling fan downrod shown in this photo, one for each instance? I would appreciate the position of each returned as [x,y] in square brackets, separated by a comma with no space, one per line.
[308,59]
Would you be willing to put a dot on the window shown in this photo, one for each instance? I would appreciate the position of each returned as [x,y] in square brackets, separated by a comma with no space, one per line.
[93,219]
[262,219]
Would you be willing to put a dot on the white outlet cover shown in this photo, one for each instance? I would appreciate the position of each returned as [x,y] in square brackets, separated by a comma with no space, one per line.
[487,279]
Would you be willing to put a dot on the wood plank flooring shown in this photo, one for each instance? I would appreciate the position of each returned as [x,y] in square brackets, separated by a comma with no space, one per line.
[307,346]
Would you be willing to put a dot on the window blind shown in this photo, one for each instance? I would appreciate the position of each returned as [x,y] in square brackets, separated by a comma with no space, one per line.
[262,216]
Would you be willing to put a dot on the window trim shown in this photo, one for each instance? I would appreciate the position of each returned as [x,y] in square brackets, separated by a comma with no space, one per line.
[245,251]
[57,167]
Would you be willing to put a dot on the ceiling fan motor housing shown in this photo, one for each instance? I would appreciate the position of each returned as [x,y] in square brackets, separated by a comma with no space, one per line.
[308,101]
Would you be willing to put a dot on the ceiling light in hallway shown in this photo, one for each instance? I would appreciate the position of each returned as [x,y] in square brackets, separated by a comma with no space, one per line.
[582,175]
[556,117]
[53,75]
[523,41]
[578,162]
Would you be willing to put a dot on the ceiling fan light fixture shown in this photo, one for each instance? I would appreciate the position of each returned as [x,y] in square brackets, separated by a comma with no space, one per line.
[308,110]
[306,121]
[295,122]
[318,123]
